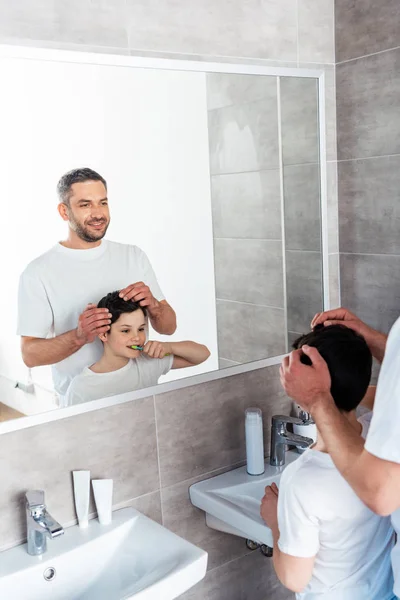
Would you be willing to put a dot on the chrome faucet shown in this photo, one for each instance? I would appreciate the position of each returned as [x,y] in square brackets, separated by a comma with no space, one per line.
[39,523]
[281,437]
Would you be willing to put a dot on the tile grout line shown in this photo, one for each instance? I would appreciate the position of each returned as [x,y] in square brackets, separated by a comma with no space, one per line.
[370,254]
[158,459]
[249,304]
[342,160]
[367,55]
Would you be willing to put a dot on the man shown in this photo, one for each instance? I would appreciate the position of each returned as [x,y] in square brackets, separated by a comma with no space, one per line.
[372,471]
[55,327]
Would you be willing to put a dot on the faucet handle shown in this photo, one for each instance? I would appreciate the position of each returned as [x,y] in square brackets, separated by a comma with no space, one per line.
[281,419]
[35,499]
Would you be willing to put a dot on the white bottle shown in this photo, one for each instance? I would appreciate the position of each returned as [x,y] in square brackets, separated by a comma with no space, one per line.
[254,441]
[81,495]
[103,491]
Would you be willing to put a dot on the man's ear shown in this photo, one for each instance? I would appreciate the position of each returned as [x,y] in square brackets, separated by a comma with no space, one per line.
[103,336]
[63,210]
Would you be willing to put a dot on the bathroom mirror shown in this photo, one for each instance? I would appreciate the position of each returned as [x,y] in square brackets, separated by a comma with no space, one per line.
[215,175]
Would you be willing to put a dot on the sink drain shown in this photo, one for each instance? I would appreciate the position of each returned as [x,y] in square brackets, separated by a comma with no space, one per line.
[49,574]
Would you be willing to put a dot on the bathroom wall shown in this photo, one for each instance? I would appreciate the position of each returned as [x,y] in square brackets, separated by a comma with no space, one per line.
[154,449]
[368,117]
[200,428]
[246,203]
[301,193]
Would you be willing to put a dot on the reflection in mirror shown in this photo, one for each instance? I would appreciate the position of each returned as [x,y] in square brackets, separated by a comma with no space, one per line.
[210,184]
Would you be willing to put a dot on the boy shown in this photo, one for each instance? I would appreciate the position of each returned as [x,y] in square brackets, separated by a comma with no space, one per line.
[123,368]
[327,543]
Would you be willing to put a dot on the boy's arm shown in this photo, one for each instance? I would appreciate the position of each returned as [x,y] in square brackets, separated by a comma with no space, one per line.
[186,354]
[294,572]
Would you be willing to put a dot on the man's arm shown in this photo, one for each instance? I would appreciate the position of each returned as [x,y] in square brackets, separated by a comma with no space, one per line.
[163,318]
[37,352]
[369,399]
[375,481]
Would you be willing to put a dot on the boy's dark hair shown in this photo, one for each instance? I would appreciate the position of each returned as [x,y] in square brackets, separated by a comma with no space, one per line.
[76,176]
[118,306]
[348,358]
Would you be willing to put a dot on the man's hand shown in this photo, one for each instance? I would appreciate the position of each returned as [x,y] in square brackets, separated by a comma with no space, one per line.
[306,384]
[269,506]
[156,349]
[341,316]
[91,322]
[139,292]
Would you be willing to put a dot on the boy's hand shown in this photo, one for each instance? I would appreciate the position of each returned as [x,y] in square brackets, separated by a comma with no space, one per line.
[157,349]
[269,506]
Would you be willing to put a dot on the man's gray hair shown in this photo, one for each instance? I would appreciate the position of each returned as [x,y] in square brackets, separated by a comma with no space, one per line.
[76,176]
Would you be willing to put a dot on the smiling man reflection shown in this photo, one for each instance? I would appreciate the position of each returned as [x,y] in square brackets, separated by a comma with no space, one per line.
[129,362]
[55,327]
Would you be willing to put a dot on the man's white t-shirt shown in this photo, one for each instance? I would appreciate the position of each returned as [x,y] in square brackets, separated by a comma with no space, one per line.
[57,286]
[137,374]
[320,515]
[383,438]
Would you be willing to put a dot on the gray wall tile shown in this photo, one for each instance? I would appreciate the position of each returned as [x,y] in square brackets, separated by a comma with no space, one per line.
[370,287]
[299,120]
[301,189]
[368,106]
[334,280]
[366,27]
[369,193]
[201,428]
[247,205]
[187,521]
[249,271]
[249,578]
[228,89]
[77,21]
[316,31]
[249,332]
[254,28]
[304,288]
[245,137]
[117,443]
[149,505]
[333,208]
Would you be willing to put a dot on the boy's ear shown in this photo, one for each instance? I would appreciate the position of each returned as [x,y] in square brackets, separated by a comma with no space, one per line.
[103,336]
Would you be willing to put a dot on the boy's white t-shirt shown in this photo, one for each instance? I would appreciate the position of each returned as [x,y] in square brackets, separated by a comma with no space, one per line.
[57,286]
[137,374]
[320,515]
[383,439]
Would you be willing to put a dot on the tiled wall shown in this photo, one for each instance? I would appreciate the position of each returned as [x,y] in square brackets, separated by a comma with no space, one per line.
[301,192]
[246,202]
[368,116]
[154,449]
[200,428]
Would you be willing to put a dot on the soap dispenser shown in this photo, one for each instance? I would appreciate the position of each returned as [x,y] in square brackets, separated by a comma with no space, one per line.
[254,441]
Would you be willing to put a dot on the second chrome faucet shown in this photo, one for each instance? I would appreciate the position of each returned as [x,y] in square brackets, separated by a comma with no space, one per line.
[39,523]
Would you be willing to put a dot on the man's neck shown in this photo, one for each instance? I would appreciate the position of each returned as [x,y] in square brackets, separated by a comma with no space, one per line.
[351,418]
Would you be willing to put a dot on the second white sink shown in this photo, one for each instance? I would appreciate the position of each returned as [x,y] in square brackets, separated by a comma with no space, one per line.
[133,558]
[232,501]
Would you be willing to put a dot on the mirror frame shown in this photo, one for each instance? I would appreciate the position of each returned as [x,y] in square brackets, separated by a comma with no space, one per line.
[240,68]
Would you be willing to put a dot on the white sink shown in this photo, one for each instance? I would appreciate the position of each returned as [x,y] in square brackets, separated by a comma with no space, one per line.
[134,557]
[232,501]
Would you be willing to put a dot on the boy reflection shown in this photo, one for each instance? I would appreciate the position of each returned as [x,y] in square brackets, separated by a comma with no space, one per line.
[128,361]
